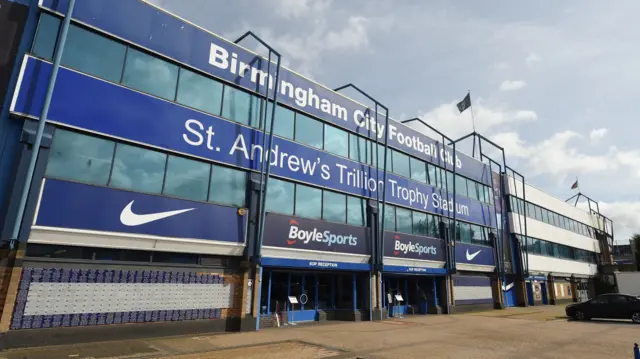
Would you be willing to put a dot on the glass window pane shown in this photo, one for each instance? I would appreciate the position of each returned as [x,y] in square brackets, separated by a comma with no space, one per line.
[389,218]
[241,107]
[449,181]
[474,190]
[434,175]
[150,74]
[308,202]
[359,149]
[400,164]
[336,141]
[309,131]
[334,207]
[229,186]
[434,226]
[420,224]
[418,170]
[379,156]
[138,169]
[488,194]
[477,235]
[81,158]
[199,92]
[102,57]
[45,41]
[403,220]
[461,185]
[284,124]
[356,211]
[464,231]
[279,196]
[187,178]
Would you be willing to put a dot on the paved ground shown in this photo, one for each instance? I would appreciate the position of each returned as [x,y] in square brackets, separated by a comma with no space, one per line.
[513,333]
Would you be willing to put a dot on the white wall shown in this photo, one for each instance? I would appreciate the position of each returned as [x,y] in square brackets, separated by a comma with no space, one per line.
[547,232]
[550,202]
[560,266]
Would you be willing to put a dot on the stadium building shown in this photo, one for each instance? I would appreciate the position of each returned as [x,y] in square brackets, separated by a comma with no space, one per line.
[169,195]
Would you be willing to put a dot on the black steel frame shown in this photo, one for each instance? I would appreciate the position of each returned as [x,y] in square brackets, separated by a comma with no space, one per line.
[265,166]
[451,240]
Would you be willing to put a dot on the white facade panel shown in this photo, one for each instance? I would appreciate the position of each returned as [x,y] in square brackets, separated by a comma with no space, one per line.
[560,267]
[550,202]
[547,232]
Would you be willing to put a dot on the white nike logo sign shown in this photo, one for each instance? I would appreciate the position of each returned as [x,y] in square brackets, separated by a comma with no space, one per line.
[507,287]
[471,256]
[128,218]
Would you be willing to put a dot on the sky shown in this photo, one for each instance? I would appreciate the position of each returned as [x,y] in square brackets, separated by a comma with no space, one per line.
[554,83]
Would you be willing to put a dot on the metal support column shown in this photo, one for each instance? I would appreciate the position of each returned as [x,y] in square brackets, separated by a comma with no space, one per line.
[42,121]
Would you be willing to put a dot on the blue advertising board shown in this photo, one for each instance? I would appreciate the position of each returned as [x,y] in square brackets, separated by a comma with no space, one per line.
[84,102]
[401,245]
[163,33]
[300,233]
[473,254]
[86,207]
[314,264]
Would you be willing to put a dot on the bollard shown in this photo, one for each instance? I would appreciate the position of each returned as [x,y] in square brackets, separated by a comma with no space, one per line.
[636,351]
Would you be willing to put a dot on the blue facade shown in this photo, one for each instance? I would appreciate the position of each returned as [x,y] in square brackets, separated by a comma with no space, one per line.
[159,136]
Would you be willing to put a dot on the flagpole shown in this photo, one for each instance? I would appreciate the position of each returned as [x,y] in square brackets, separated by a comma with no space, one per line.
[473,124]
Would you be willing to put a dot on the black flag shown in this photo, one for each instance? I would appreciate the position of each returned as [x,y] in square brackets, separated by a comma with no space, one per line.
[465,103]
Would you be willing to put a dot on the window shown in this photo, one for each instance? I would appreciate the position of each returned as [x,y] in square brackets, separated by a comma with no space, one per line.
[81,158]
[389,218]
[97,55]
[400,163]
[488,194]
[434,226]
[241,107]
[403,221]
[138,169]
[285,120]
[477,235]
[545,215]
[461,185]
[336,141]
[434,175]
[420,223]
[229,186]
[45,41]
[418,170]
[464,232]
[308,202]
[150,74]
[473,190]
[279,196]
[187,178]
[309,131]
[379,156]
[359,149]
[356,211]
[199,92]
[334,207]
[448,185]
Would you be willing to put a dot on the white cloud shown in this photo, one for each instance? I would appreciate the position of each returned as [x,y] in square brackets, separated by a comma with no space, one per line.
[299,8]
[509,85]
[451,122]
[353,37]
[526,115]
[625,216]
[596,134]
[532,58]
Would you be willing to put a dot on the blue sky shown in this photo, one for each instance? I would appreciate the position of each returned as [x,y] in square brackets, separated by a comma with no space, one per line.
[552,82]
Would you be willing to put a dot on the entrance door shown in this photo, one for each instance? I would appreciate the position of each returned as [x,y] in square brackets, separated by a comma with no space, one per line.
[530,293]
[303,288]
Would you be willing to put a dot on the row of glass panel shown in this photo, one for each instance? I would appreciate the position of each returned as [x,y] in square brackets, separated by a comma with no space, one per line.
[517,205]
[550,249]
[111,60]
[398,219]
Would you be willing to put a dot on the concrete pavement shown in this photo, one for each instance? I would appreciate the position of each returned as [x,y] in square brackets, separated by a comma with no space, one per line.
[512,333]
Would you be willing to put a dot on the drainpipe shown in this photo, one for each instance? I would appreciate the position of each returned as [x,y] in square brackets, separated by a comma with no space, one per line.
[41,123]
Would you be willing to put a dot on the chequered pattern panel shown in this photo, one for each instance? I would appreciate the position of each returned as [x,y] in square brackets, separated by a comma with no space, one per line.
[168,284]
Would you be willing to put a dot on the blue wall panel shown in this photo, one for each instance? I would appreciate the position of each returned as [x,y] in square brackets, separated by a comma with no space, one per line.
[84,102]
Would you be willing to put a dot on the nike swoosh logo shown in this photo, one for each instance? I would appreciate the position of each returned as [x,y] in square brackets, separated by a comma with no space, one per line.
[128,218]
[507,287]
[471,256]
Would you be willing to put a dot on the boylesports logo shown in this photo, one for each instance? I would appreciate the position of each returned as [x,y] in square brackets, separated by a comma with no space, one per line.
[326,237]
[405,248]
